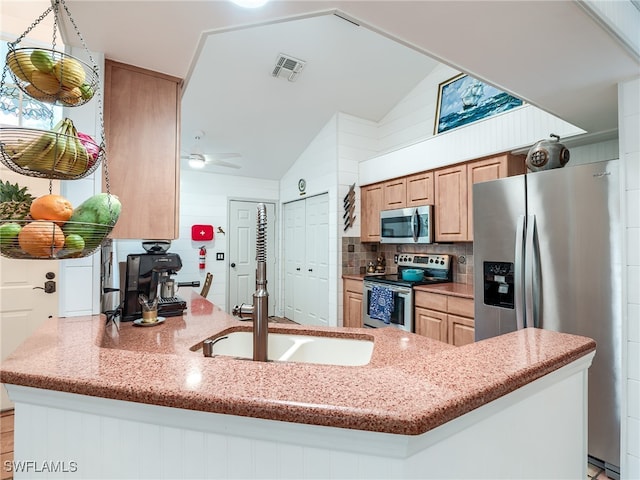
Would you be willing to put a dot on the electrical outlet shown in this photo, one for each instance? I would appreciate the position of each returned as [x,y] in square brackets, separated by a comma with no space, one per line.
[395,258]
[219,255]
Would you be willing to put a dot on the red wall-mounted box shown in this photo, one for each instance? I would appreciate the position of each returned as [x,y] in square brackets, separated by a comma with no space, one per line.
[202,233]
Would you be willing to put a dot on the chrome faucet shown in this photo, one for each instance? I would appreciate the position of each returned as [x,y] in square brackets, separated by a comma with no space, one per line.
[259,311]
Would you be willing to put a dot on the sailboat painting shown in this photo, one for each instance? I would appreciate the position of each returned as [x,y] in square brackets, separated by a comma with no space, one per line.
[463,100]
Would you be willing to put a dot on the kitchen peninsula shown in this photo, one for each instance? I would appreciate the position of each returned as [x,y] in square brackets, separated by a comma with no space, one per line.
[145,403]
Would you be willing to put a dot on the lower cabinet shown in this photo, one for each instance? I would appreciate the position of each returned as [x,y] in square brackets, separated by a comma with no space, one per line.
[446,318]
[352,305]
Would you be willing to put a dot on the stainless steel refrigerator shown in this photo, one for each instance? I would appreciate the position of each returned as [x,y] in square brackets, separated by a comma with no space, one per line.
[546,253]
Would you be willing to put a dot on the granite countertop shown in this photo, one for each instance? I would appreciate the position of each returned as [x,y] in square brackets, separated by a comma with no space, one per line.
[412,384]
[451,288]
[454,289]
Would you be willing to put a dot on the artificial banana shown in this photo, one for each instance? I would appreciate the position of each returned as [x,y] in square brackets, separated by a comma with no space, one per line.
[29,156]
[58,150]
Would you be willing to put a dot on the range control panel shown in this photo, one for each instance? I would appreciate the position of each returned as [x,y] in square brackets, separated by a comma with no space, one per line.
[439,262]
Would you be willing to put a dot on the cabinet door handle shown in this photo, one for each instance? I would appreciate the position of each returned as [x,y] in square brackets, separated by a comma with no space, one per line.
[298,269]
[311,269]
[233,265]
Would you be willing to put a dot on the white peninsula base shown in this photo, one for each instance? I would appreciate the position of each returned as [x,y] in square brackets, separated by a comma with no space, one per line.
[538,431]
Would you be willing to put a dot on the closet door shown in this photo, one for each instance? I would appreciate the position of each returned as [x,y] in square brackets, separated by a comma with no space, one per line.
[306,260]
[294,260]
[317,260]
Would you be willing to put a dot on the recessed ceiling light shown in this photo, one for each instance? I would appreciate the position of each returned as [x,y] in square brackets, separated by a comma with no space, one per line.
[250,3]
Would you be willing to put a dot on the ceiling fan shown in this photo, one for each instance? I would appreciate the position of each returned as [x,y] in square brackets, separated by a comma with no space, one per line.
[198,159]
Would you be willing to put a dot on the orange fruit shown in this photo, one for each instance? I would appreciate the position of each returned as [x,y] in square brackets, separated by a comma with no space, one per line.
[51,207]
[41,239]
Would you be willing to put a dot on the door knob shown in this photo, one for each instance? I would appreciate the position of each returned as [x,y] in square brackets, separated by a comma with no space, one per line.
[233,265]
[49,287]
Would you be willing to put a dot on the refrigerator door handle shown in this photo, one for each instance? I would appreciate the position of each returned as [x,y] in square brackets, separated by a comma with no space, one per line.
[518,272]
[531,286]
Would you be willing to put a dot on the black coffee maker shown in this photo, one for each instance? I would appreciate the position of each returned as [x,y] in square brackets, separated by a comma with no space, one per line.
[145,275]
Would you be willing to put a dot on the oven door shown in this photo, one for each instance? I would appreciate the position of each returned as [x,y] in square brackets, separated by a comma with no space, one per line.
[402,314]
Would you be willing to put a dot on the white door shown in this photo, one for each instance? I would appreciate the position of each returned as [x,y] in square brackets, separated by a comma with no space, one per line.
[242,252]
[294,260]
[289,259]
[317,260]
[24,305]
[306,254]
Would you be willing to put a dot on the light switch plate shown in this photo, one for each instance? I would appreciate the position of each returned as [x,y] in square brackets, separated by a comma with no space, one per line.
[219,255]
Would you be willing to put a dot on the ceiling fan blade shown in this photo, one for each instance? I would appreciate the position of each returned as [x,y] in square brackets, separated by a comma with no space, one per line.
[216,159]
[220,163]
[220,156]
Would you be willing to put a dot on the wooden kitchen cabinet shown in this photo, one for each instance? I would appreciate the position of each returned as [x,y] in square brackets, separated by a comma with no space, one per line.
[453,188]
[395,194]
[450,216]
[447,318]
[460,330]
[352,305]
[420,189]
[410,191]
[430,323]
[487,169]
[142,126]
[371,198]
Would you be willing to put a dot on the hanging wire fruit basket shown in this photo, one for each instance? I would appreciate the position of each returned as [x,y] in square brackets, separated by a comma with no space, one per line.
[46,240]
[60,153]
[52,230]
[51,76]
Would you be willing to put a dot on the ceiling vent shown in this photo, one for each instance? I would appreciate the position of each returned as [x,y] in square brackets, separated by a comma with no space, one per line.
[287,65]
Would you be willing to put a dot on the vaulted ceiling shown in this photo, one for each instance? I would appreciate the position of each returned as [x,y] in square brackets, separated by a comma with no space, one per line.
[553,54]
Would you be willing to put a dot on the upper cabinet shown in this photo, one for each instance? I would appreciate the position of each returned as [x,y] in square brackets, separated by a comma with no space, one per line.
[142,127]
[454,193]
[395,194]
[502,166]
[420,189]
[450,216]
[449,189]
[371,198]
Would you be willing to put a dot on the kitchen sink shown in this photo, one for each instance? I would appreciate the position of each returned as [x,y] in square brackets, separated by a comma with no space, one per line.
[285,347]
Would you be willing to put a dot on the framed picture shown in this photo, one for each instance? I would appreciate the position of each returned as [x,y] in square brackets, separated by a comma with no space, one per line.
[463,100]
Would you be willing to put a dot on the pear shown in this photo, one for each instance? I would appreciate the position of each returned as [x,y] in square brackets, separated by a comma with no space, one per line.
[42,61]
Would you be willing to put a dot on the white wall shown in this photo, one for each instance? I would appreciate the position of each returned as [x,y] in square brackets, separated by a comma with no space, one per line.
[318,165]
[595,152]
[79,283]
[357,141]
[413,119]
[204,199]
[629,126]
[410,125]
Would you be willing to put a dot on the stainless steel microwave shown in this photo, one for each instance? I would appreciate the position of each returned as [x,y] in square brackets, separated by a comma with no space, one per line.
[407,225]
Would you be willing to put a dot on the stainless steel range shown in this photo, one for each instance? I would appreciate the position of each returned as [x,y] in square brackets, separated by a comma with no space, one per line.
[389,298]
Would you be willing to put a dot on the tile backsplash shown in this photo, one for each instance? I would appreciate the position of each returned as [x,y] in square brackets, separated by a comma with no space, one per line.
[357,255]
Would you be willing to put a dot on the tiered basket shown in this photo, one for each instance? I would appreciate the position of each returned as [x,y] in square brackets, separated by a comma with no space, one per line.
[40,239]
[56,78]
[51,76]
[48,154]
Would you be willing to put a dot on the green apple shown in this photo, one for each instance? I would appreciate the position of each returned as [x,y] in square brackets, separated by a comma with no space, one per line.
[74,242]
[8,233]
